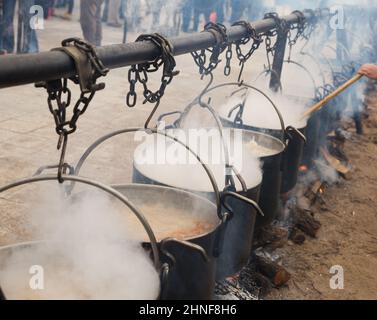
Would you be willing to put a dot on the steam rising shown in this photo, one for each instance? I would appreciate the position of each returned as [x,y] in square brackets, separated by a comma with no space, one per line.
[259,113]
[171,164]
[90,254]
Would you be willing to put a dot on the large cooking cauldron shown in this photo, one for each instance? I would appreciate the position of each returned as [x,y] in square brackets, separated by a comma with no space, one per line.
[292,137]
[312,132]
[234,242]
[271,157]
[238,232]
[272,172]
[171,256]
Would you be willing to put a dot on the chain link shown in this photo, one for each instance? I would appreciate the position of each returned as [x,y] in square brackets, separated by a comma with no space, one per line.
[281,27]
[300,27]
[98,69]
[59,88]
[139,73]
[59,97]
[200,57]
[252,35]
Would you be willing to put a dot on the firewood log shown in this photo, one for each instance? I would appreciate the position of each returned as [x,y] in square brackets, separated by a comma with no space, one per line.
[263,283]
[277,274]
[271,236]
[304,221]
[297,237]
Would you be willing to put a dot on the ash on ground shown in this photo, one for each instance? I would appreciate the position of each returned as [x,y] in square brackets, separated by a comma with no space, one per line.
[241,287]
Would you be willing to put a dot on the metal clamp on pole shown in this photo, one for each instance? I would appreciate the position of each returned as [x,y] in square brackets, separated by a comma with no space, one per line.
[88,66]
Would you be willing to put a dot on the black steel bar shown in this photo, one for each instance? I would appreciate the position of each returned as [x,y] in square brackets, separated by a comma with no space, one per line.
[279,57]
[30,68]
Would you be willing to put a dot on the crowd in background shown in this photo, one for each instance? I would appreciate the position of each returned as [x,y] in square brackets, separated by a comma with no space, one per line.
[180,15]
[185,15]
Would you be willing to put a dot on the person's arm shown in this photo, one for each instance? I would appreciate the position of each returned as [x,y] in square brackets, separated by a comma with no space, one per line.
[369,70]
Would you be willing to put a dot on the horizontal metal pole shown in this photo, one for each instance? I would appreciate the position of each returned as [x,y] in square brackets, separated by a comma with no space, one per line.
[30,68]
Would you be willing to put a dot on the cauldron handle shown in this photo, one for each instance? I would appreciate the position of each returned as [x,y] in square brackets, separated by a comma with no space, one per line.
[155,131]
[199,100]
[229,215]
[245,86]
[164,115]
[166,267]
[296,132]
[108,190]
[307,72]
[231,194]
[187,244]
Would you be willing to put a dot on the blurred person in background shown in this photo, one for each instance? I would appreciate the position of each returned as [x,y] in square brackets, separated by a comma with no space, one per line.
[28,40]
[134,19]
[47,5]
[64,4]
[123,9]
[238,8]
[220,11]
[255,10]
[187,12]
[113,14]
[90,20]
[105,13]
[6,25]
[154,7]
[203,7]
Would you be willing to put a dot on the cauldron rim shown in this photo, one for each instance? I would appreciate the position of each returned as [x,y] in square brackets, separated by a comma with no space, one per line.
[214,227]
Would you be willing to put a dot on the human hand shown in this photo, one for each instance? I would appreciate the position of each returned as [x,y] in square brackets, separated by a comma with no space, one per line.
[369,70]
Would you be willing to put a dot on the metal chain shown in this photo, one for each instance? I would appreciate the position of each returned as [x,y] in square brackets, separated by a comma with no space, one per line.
[311,26]
[251,35]
[228,60]
[59,97]
[281,27]
[99,69]
[139,73]
[58,88]
[300,27]
[219,32]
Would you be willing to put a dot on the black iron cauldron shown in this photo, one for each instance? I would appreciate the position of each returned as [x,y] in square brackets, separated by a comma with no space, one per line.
[171,256]
[294,140]
[236,238]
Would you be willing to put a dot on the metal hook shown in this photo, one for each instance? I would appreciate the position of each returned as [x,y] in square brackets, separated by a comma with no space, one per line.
[62,165]
[146,125]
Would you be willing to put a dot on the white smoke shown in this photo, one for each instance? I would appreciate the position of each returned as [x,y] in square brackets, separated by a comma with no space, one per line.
[91,254]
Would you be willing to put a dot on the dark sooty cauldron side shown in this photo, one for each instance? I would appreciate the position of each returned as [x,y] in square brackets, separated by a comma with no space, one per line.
[291,158]
[191,278]
[239,231]
[269,199]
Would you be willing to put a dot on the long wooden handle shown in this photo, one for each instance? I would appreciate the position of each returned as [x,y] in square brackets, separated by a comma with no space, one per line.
[332,95]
